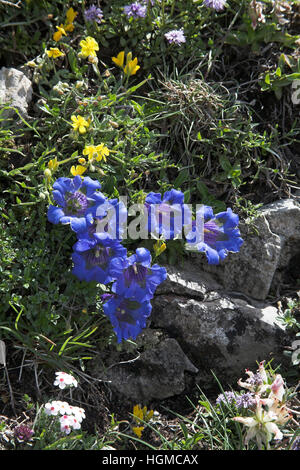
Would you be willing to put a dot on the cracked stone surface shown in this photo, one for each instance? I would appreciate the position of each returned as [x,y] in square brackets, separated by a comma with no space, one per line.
[16,91]
[158,373]
[223,334]
[265,254]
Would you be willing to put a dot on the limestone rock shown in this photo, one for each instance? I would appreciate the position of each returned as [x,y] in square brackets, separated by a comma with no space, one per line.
[267,252]
[16,91]
[224,334]
[158,373]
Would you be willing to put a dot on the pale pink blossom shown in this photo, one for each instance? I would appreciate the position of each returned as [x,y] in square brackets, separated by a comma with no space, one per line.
[277,387]
[52,408]
[64,380]
[262,426]
[66,424]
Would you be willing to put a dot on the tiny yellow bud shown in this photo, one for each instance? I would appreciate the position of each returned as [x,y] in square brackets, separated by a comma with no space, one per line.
[48,173]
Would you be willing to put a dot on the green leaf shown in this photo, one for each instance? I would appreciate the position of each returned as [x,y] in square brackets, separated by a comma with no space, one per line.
[181,179]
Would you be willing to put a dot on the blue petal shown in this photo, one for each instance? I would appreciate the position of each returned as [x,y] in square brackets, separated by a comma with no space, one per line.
[173,197]
[58,197]
[63,185]
[55,214]
[153,198]
[78,224]
[77,182]
[143,256]
[90,185]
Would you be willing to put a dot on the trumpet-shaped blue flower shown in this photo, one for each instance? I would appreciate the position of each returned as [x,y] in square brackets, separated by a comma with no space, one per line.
[167,214]
[127,316]
[78,200]
[93,258]
[135,277]
[110,219]
[215,235]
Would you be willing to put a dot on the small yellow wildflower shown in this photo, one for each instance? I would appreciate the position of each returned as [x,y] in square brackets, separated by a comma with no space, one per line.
[69,27]
[53,164]
[131,66]
[31,63]
[138,430]
[54,53]
[141,414]
[80,124]
[71,15]
[58,34]
[159,247]
[119,60]
[96,152]
[89,46]
[47,173]
[77,170]
[82,161]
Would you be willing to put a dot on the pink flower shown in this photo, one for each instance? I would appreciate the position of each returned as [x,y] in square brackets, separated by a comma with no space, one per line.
[65,424]
[277,387]
[262,425]
[52,408]
[64,380]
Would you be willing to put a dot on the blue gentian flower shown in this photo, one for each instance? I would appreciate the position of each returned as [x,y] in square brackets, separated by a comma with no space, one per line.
[135,277]
[215,235]
[135,10]
[109,219]
[78,200]
[167,215]
[127,316]
[93,258]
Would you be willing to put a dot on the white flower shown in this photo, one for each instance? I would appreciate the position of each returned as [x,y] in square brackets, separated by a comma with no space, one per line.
[75,423]
[64,408]
[79,413]
[277,387]
[64,380]
[52,408]
[262,426]
[65,424]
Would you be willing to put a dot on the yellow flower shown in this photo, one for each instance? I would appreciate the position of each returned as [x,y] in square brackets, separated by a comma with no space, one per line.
[138,431]
[96,152]
[54,52]
[31,63]
[71,15]
[159,247]
[82,161]
[60,31]
[77,170]
[80,124]
[89,46]
[131,67]
[53,164]
[141,414]
[137,413]
[69,27]
[119,60]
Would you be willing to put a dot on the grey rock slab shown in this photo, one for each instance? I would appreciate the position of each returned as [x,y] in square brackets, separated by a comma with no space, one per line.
[224,335]
[157,374]
[267,249]
[16,91]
